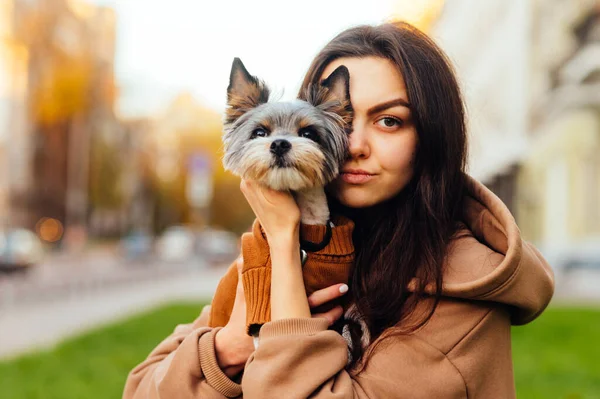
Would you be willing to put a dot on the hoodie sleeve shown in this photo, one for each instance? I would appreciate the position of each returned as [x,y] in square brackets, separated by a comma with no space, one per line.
[521,278]
[182,366]
[300,358]
[530,288]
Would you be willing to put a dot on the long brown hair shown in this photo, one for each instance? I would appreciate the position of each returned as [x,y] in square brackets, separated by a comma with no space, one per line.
[407,236]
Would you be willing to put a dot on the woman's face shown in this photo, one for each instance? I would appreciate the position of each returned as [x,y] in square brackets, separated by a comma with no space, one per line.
[383,139]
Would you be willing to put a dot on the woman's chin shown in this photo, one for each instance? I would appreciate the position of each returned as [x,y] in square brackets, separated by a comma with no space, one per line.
[356,198]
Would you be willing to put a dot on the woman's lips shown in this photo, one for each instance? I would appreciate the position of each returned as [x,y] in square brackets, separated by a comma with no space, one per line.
[356,178]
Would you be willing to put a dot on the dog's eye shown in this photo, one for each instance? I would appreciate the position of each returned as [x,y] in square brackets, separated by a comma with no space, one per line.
[309,133]
[260,132]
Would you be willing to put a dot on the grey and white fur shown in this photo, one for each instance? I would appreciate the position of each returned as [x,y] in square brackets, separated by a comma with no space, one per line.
[298,145]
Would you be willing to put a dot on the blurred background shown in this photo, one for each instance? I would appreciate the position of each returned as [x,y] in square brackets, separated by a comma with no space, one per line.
[113,199]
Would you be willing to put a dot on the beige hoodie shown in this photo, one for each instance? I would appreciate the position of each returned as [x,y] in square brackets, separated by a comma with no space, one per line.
[493,279]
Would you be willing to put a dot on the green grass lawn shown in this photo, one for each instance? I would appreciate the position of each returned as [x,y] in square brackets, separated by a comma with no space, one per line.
[93,365]
[556,356]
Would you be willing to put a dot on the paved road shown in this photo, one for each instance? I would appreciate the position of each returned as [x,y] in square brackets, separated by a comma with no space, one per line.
[66,275]
[578,287]
[27,327]
[68,295]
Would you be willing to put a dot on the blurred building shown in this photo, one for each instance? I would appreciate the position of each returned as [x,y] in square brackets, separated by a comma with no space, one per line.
[69,100]
[15,146]
[559,183]
[184,157]
[530,73]
[184,129]
[489,43]
[134,210]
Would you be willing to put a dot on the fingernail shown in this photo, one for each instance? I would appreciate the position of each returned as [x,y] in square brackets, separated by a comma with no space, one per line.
[343,288]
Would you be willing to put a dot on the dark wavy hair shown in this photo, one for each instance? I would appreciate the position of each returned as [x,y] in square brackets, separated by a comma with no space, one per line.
[407,236]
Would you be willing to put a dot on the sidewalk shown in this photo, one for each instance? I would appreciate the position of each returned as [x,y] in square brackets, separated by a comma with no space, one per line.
[28,328]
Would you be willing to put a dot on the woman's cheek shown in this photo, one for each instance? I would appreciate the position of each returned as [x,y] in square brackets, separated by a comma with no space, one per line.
[396,154]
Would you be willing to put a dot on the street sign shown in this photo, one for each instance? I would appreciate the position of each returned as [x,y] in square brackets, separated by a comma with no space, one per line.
[199,189]
[199,162]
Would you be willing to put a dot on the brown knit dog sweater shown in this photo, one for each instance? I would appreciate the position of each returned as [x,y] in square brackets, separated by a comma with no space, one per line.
[331,265]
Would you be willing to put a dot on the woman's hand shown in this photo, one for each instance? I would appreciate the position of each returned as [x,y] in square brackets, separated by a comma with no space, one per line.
[324,296]
[233,346]
[277,212]
[279,217]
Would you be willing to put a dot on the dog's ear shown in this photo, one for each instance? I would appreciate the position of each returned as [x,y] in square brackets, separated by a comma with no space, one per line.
[338,85]
[244,92]
[332,94]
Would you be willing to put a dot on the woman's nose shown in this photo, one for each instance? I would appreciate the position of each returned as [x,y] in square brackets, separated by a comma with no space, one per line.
[358,145]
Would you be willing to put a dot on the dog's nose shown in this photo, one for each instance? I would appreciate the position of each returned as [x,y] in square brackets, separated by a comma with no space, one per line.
[280,147]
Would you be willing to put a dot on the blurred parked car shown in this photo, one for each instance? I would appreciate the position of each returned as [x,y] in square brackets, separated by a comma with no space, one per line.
[19,249]
[137,245]
[218,246]
[583,255]
[176,244]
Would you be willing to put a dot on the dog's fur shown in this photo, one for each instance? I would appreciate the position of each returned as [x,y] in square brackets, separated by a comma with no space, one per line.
[298,145]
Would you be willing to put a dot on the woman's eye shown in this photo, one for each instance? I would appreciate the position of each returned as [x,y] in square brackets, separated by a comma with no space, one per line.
[260,132]
[389,122]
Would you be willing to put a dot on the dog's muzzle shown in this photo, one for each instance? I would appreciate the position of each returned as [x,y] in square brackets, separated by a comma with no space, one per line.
[279,147]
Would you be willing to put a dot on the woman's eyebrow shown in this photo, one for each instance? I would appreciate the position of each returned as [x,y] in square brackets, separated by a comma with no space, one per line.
[388,104]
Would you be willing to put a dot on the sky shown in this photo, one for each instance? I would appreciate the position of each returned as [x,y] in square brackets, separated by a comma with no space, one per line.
[169,47]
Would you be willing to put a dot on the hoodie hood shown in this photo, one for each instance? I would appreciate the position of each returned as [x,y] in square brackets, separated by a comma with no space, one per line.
[489,261]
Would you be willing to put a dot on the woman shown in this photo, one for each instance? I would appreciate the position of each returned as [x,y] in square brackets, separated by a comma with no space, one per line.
[441,271]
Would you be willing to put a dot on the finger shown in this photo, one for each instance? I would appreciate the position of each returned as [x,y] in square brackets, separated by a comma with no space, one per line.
[205,309]
[331,315]
[272,197]
[325,295]
[247,188]
[239,303]
[240,265]
[249,185]
[239,289]
[243,186]
[277,198]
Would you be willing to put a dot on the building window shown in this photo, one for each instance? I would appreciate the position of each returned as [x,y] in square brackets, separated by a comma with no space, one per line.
[591,170]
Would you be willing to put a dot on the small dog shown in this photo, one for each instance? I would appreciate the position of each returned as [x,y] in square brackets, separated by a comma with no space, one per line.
[297,146]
